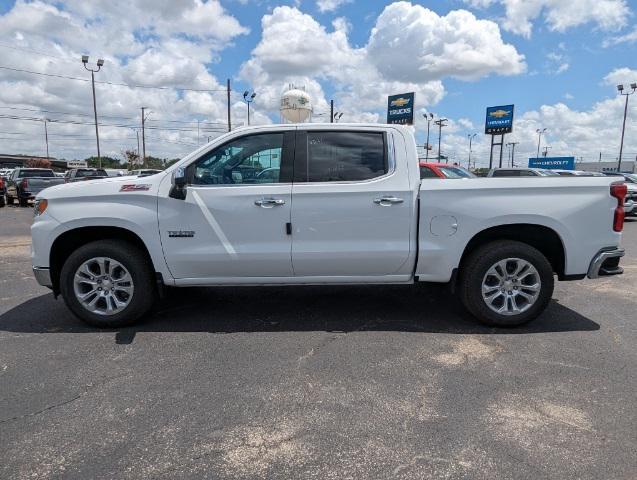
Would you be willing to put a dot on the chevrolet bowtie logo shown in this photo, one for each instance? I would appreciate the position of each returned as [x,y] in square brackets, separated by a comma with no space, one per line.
[500,113]
[399,102]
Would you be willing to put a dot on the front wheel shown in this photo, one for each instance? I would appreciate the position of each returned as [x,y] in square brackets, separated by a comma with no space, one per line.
[3,200]
[108,283]
[506,283]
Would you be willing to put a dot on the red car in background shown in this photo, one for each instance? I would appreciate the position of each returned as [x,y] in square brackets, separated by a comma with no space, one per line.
[443,170]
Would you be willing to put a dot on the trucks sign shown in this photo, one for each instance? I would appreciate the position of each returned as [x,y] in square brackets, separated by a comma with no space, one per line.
[400,109]
[559,163]
[499,120]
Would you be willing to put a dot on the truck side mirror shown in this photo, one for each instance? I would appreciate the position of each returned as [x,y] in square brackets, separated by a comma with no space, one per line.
[179,180]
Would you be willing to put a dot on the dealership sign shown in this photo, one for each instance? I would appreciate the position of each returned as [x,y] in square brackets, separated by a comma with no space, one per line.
[499,120]
[559,163]
[75,164]
[400,109]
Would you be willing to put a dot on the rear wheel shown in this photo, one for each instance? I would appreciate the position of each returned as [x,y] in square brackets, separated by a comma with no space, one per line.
[9,200]
[506,283]
[3,200]
[24,202]
[108,283]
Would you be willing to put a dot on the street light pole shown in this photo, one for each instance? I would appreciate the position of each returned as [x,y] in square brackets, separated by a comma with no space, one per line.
[512,145]
[539,139]
[100,62]
[248,99]
[429,117]
[620,89]
[471,137]
[441,123]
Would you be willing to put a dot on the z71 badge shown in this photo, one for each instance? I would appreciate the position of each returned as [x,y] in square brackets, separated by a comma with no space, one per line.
[141,187]
[181,233]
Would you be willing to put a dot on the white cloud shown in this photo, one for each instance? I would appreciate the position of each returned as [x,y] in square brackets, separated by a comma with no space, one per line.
[295,48]
[557,62]
[623,75]
[330,5]
[159,43]
[457,45]
[630,37]
[559,15]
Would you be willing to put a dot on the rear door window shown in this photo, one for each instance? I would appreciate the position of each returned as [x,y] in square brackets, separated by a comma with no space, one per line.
[426,172]
[344,156]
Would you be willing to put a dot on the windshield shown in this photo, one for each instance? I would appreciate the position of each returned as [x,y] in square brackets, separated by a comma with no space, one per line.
[36,173]
[456,172]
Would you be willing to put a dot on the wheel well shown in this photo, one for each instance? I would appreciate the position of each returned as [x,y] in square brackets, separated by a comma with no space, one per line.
[545,239]
[69,241]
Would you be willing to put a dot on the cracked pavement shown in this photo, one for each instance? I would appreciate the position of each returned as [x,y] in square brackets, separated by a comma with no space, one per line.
[316,382]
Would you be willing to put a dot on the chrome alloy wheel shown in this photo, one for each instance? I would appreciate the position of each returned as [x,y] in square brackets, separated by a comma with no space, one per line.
[511,286]
[103,286]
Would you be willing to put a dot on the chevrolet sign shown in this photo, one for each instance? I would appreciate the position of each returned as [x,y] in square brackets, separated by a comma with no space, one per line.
[400,109]
[499,120]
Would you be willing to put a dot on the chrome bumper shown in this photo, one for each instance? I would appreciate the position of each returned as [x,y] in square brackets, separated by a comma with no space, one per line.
[606,263]
[43,276]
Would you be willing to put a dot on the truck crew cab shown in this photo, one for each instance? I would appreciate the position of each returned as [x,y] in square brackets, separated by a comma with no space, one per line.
[322,204]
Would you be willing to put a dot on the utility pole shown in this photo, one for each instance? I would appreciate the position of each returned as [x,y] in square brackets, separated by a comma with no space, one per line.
[100,62]
[331,111]
[620,89]
[471,136]
[197,132]
[429,117]
[143,137]
[441,123]
[539,138]
[512,145]
[228,91]
[46,139]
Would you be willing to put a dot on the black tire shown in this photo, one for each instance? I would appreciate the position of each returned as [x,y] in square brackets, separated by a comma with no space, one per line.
[3,201]
[475,267]
[139,267]
[24,202]
[9,200]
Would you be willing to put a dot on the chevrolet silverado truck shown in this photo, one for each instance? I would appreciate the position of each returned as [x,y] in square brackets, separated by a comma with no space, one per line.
[322,204]
[25,183]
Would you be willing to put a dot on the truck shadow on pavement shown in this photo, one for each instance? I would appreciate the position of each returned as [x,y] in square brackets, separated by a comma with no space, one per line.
[419,309]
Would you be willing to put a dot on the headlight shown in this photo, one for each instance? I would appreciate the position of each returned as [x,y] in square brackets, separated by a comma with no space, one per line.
[39,206]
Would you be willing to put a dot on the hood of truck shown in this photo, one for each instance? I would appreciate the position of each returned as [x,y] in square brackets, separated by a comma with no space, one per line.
[103,187]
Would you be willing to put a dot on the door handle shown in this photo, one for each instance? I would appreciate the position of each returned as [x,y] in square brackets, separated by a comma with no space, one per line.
[387,201]
[269,202]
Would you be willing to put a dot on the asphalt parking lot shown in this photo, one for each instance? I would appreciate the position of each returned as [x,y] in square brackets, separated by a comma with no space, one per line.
[305,382]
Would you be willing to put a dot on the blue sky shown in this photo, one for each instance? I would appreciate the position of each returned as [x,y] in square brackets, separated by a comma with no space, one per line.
[556,60]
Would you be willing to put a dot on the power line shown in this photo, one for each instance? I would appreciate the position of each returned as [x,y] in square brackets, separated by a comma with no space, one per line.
[119,84]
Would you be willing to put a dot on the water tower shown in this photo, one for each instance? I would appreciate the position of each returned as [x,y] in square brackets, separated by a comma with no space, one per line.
[296,105]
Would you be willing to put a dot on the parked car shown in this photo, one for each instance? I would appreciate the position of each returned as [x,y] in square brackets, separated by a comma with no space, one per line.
[348,207]
[25,183]
[441,170]
[145,172]
[82,174]
[521,172]
[3,191]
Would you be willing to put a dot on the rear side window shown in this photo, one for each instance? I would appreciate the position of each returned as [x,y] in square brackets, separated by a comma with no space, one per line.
[345,156]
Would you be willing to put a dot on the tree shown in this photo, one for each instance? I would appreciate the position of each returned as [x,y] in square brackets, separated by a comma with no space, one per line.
[132,157]
[37,163]
[107,162]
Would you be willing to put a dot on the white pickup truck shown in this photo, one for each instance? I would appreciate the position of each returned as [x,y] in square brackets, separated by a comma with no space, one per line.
[322,204]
